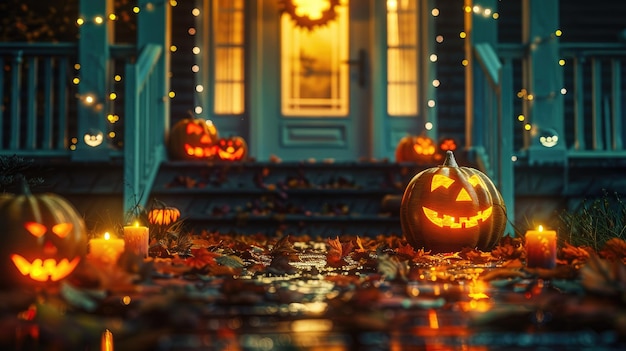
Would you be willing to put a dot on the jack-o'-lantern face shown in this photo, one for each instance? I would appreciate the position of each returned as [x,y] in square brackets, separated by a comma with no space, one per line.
[232,149]
[447,144]
[192,139]
[199,143]
[447,208]
[424,146]
[45,238]
[460,196]
[419,149]
[49,265]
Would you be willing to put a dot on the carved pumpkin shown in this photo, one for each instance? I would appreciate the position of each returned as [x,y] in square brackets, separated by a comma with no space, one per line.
[232,149]
[419,149]
[447,144]
[163,215]
[44,237]
[447,208]
[192,139]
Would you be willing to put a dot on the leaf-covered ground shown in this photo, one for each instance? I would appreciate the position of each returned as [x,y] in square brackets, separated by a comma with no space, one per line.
[251,292]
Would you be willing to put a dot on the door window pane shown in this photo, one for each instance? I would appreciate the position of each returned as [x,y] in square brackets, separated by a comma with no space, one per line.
[228,29]
[314,75]
[402,68]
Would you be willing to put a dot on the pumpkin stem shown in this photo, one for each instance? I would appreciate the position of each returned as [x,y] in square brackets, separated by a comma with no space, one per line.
[450,161]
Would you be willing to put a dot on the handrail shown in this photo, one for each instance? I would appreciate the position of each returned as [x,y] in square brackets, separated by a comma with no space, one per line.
[144,148]
[493,147]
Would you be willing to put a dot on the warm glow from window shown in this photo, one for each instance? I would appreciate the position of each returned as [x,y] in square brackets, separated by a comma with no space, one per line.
[312,9]
[402,58]
[228,48]
[314,78]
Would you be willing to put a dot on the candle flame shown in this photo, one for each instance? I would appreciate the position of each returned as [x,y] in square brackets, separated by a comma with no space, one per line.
[107,236]
[540,228]
[136,224]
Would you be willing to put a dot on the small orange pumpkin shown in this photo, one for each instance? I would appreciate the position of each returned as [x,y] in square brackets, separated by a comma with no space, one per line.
[233,148]
[418,149]
[448,208]
[163,215]
[192,139]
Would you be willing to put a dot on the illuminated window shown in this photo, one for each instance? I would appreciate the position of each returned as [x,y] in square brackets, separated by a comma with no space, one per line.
[314,76]
[228,41]
[402,67]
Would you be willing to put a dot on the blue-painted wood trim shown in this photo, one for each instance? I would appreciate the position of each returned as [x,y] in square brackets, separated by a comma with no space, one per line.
[1,109]
[31,102]
[16,86]
[48,106]
[616,108]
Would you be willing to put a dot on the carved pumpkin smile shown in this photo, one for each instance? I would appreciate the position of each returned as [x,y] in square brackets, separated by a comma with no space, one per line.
[445,220]
[42,270]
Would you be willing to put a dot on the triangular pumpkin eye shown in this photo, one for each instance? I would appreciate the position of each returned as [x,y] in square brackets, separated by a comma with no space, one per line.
[36,229]
[440,181]
[463,196]
[194,129]
[474,180]
[62,229]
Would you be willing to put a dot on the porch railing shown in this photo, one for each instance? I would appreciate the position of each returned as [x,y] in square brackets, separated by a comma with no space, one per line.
[35,84]
[592,98]
[592,121]
[38,110]
[144,149]
[492,134]
[38,113]
[593,110]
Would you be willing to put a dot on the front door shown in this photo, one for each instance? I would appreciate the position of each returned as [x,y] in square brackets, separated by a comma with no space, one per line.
[323,82]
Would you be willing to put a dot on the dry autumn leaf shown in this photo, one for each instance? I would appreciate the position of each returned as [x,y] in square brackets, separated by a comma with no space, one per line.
[614,249]
[200,258]
[604,276]
[337,252]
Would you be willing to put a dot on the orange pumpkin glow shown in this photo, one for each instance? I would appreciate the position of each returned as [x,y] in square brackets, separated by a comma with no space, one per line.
[163,215]
[192,139]
[232,149]
[418,149]
[447,208]
[45,237]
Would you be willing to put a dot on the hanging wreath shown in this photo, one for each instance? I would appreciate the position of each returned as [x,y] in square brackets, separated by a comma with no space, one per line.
[303,19]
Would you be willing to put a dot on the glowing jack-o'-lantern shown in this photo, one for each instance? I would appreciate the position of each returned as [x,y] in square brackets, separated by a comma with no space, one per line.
[192,139]
[44,237]
[232,149]
[418,149]
[447,208]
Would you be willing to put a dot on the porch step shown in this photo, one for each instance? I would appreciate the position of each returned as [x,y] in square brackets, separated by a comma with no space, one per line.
[318,199]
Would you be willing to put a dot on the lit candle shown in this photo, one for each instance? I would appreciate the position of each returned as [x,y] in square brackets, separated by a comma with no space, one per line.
[106,249]
[107,341]
[541,248]
[136,238]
